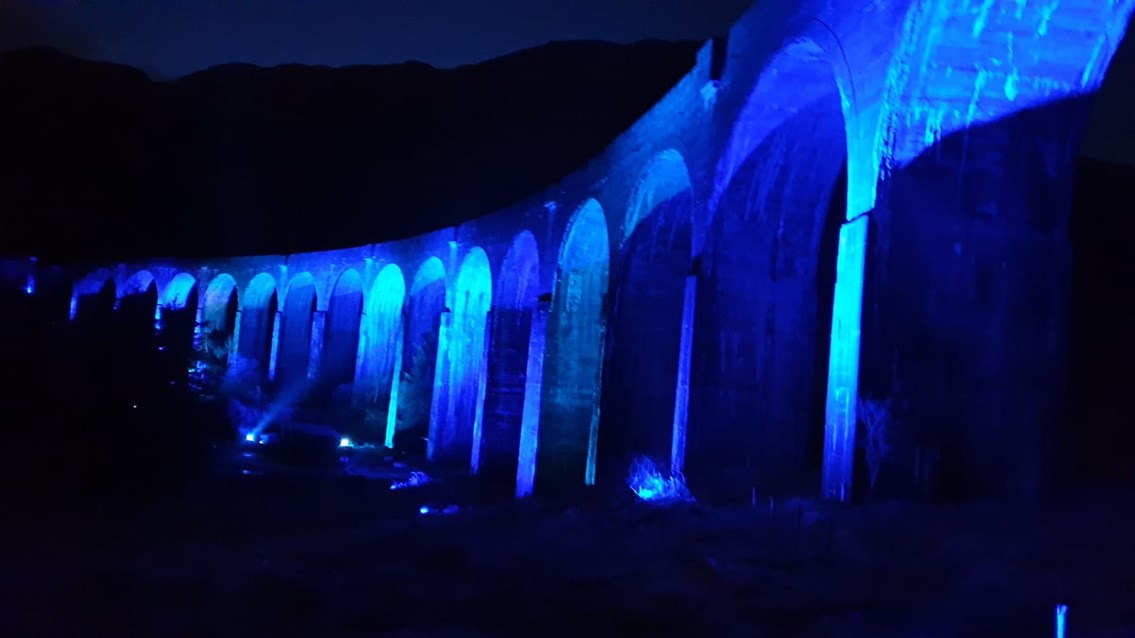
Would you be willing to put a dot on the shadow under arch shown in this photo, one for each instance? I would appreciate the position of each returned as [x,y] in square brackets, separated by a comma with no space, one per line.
[763,337]
[95,298]
[422,325]
[341,329]
[219,311]
[458,402]
[969,282]
[649,281]
[257,324]
[138,308]
[573,366]
[178,320]
[514,301]
[294,354]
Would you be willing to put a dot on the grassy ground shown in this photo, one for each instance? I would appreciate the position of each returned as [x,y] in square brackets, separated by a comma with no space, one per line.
[324,554]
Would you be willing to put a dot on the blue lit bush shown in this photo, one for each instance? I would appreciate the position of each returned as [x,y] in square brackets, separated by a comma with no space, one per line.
[653,486]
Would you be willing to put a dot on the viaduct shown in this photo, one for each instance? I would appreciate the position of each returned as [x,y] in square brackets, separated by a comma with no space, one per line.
[842,199]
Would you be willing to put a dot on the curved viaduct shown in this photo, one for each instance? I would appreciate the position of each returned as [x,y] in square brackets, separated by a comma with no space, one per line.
[843,198]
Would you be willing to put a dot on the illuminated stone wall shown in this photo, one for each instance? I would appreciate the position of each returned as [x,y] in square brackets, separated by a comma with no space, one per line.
[904,162]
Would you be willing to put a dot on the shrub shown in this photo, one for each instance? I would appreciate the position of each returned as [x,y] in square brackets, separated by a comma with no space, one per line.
[875,415]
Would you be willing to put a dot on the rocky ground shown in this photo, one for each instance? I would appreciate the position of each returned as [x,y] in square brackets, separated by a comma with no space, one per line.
[254,550]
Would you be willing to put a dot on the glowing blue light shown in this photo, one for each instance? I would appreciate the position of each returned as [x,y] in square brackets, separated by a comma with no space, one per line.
[381,336]
[843,362]
[74,310]
[345,442]
[250,437]
[1061,620]
[462,358]
[392,410]
[650,485]
[448,509]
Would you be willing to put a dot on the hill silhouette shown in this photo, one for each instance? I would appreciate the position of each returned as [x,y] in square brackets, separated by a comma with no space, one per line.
[102,162]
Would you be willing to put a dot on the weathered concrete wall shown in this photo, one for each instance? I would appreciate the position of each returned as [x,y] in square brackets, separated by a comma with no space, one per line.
[946,127]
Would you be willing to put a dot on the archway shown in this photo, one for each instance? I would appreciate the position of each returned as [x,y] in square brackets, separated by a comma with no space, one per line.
[293,361]
[178,320]
[95,299]
[456,432]
[219,314]
[53,293]
[341,332]
[513,303]
[422,326]
[138,310]
[380,354]
[764,310]
[641,374]
[569,421]
[257,319]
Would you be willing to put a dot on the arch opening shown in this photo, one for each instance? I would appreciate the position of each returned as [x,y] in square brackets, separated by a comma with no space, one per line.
[641,375]
[293,358]
[764,331]
[138,310]
[95,300]
[341,335]
[457,422]
[257,325]
[380,355]
[569,421]
[514,301]
[178,322]
[53,294]
[219,315]
[422,327]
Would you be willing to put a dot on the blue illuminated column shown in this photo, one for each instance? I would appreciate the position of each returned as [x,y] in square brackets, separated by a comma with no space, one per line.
[593,429]
[439,399]
[682,393]
[482,383]
[276,319]
[318,322]
[392,411]
[236,336]
[533,390]
[843,365]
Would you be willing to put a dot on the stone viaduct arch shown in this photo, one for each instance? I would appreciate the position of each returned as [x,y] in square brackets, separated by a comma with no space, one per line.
[828,206]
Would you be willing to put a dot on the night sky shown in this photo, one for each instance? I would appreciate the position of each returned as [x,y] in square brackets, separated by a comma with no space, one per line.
[170,38]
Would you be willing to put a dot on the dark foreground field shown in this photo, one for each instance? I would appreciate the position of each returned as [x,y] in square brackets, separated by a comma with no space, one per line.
[285,553]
